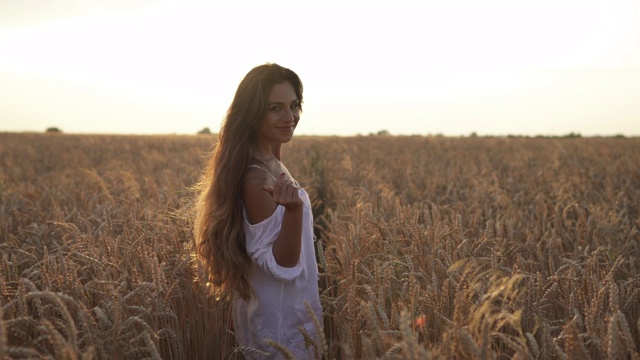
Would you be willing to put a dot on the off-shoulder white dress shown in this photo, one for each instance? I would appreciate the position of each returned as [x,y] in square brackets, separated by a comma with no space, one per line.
[277,309]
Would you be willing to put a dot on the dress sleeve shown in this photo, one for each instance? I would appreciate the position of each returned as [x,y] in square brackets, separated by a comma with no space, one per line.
[259,242]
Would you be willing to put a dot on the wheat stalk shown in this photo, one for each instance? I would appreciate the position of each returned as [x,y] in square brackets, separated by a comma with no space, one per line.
[281,348]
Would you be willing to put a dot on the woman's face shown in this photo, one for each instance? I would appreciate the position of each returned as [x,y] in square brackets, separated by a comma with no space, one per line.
[283,114]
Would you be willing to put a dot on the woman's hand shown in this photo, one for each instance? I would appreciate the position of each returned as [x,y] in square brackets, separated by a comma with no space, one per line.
[285,193]
[287,247]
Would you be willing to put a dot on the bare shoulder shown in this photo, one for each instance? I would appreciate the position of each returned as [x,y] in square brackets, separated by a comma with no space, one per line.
[257,201]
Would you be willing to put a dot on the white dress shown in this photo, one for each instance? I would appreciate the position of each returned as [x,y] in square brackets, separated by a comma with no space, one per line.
[277,308]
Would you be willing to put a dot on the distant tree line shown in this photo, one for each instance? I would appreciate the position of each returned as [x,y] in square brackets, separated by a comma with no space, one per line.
[205,131]
[571,135]
[53,130]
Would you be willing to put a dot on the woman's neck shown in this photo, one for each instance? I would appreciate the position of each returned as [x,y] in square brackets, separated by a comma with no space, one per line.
[266,152]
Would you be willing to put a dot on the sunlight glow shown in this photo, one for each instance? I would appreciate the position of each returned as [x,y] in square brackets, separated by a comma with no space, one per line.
[452,67]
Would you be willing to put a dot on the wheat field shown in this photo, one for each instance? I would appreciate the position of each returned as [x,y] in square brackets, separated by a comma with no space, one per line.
[434,247]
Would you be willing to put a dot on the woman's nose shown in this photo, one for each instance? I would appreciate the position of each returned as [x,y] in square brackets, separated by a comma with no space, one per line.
[290,115]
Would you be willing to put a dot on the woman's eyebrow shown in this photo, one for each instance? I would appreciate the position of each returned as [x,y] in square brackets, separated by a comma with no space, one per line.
[281,103]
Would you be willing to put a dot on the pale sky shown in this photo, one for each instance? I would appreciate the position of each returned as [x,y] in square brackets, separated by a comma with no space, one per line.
[543,67]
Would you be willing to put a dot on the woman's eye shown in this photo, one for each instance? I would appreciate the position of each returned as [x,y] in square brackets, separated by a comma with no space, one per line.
[295,106]
[275,109]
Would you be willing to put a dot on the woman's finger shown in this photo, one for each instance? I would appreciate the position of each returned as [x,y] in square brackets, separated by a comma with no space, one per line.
[291,190]
[284,192]
[280,183]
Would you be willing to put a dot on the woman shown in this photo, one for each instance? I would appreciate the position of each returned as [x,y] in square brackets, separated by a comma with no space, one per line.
[254,226]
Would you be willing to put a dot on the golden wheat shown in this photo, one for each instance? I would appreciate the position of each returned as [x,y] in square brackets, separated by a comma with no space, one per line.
[501,247]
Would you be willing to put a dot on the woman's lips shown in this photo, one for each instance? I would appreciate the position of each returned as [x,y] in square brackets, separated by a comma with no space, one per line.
[285,128]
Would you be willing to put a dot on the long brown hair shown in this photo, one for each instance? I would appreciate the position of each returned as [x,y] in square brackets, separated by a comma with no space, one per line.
[219,234]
